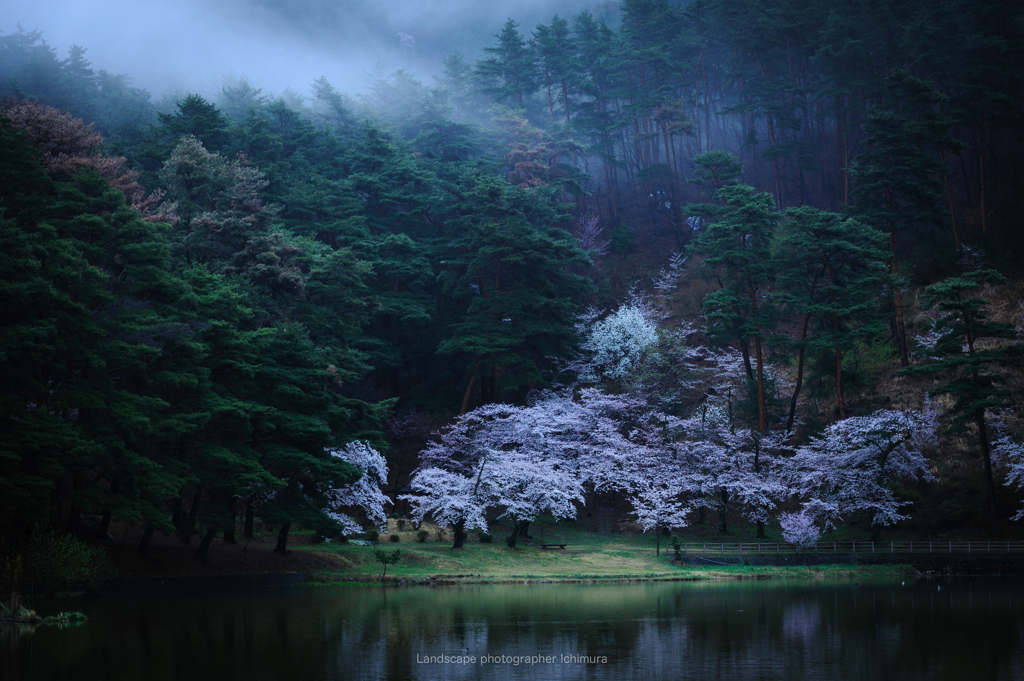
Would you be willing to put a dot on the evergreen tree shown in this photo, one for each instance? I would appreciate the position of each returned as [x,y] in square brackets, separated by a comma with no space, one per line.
[967,351]
[829,272]
[509,75]
[736,246]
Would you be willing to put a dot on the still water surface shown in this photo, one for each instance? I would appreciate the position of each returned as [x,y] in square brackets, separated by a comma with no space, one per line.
[791,630]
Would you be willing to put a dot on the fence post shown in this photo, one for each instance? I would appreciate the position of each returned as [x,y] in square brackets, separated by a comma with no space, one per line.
[872,547]
[911,547]
[990,547]
[951,546]
[705,551]
[741,549]
[892,548]
[968,546]
[854,550]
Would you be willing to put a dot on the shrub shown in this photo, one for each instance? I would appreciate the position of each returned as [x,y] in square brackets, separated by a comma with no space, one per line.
[386,558]
[422,535]
[62,561]
[395,539]
[373,535]
[486,538]
[401,524]
[441,535]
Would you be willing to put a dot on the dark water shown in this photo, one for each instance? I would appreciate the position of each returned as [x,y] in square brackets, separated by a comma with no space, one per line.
[970,629]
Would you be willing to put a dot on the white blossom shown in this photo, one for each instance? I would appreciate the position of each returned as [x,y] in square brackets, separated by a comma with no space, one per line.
[365,493]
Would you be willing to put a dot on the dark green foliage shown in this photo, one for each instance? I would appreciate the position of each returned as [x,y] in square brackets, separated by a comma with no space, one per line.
[421,536]
[966,354]
[324,268]
[509,74]
[736,246]
[830,271]
[60,561]
[386,558]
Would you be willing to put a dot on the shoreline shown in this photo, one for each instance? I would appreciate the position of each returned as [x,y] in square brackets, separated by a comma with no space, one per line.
[115,585]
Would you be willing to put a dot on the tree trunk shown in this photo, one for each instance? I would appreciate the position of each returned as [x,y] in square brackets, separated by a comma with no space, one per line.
[657,544]
[839,383]
[799,376]
[524,530]
[147,535]
[204,545]
[722,512]
[518,528]
[762,412]
[745,351]
[760,530]
[249,517]
[897,298]
[949,198]
[986,453]
[459,532]
[74,515]
[191,523]
[104,527]
[981,172]
[282,538]
[469,388]
[229,531]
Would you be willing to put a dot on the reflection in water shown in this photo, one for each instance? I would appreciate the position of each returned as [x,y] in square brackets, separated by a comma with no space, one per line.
[737,630]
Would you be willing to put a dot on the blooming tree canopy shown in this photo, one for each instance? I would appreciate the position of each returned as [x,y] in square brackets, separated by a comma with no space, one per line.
[365,492]
[855,464]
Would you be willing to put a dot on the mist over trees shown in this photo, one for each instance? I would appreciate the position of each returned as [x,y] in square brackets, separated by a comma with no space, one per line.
[691,258]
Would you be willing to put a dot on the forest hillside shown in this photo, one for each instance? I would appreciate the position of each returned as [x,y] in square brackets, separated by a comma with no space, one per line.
[704,264]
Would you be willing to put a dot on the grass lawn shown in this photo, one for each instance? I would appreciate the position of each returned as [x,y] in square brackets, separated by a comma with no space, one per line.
[588,556]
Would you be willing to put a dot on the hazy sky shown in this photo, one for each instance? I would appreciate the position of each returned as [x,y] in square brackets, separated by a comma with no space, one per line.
[187,44]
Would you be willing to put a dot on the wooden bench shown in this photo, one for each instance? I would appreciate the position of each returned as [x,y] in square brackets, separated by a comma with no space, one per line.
[552,546]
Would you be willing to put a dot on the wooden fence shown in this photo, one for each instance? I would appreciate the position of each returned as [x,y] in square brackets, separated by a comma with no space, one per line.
[723,548]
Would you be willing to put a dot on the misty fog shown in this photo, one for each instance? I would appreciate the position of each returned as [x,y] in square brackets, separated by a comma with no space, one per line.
[276,44]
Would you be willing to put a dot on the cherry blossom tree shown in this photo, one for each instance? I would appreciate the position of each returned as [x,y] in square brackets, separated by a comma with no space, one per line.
[450,499]
[365,493]
[617,343]
[525,487]
[513,482]
[659,503]
[799,529]
[1011,452]
[856,464]
[734,468]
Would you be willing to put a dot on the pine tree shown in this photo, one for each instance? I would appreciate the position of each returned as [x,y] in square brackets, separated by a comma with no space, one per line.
[966,354]
[736,247]
[830,269]
[510,74]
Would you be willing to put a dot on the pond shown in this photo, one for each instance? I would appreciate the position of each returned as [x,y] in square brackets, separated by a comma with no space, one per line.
[750,630]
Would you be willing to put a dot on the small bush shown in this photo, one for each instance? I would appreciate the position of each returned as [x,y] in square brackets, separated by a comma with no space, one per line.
[62,561]
[486,538]
[395,539]
[401,524]
[422,535]
[372,535]
[441,534]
